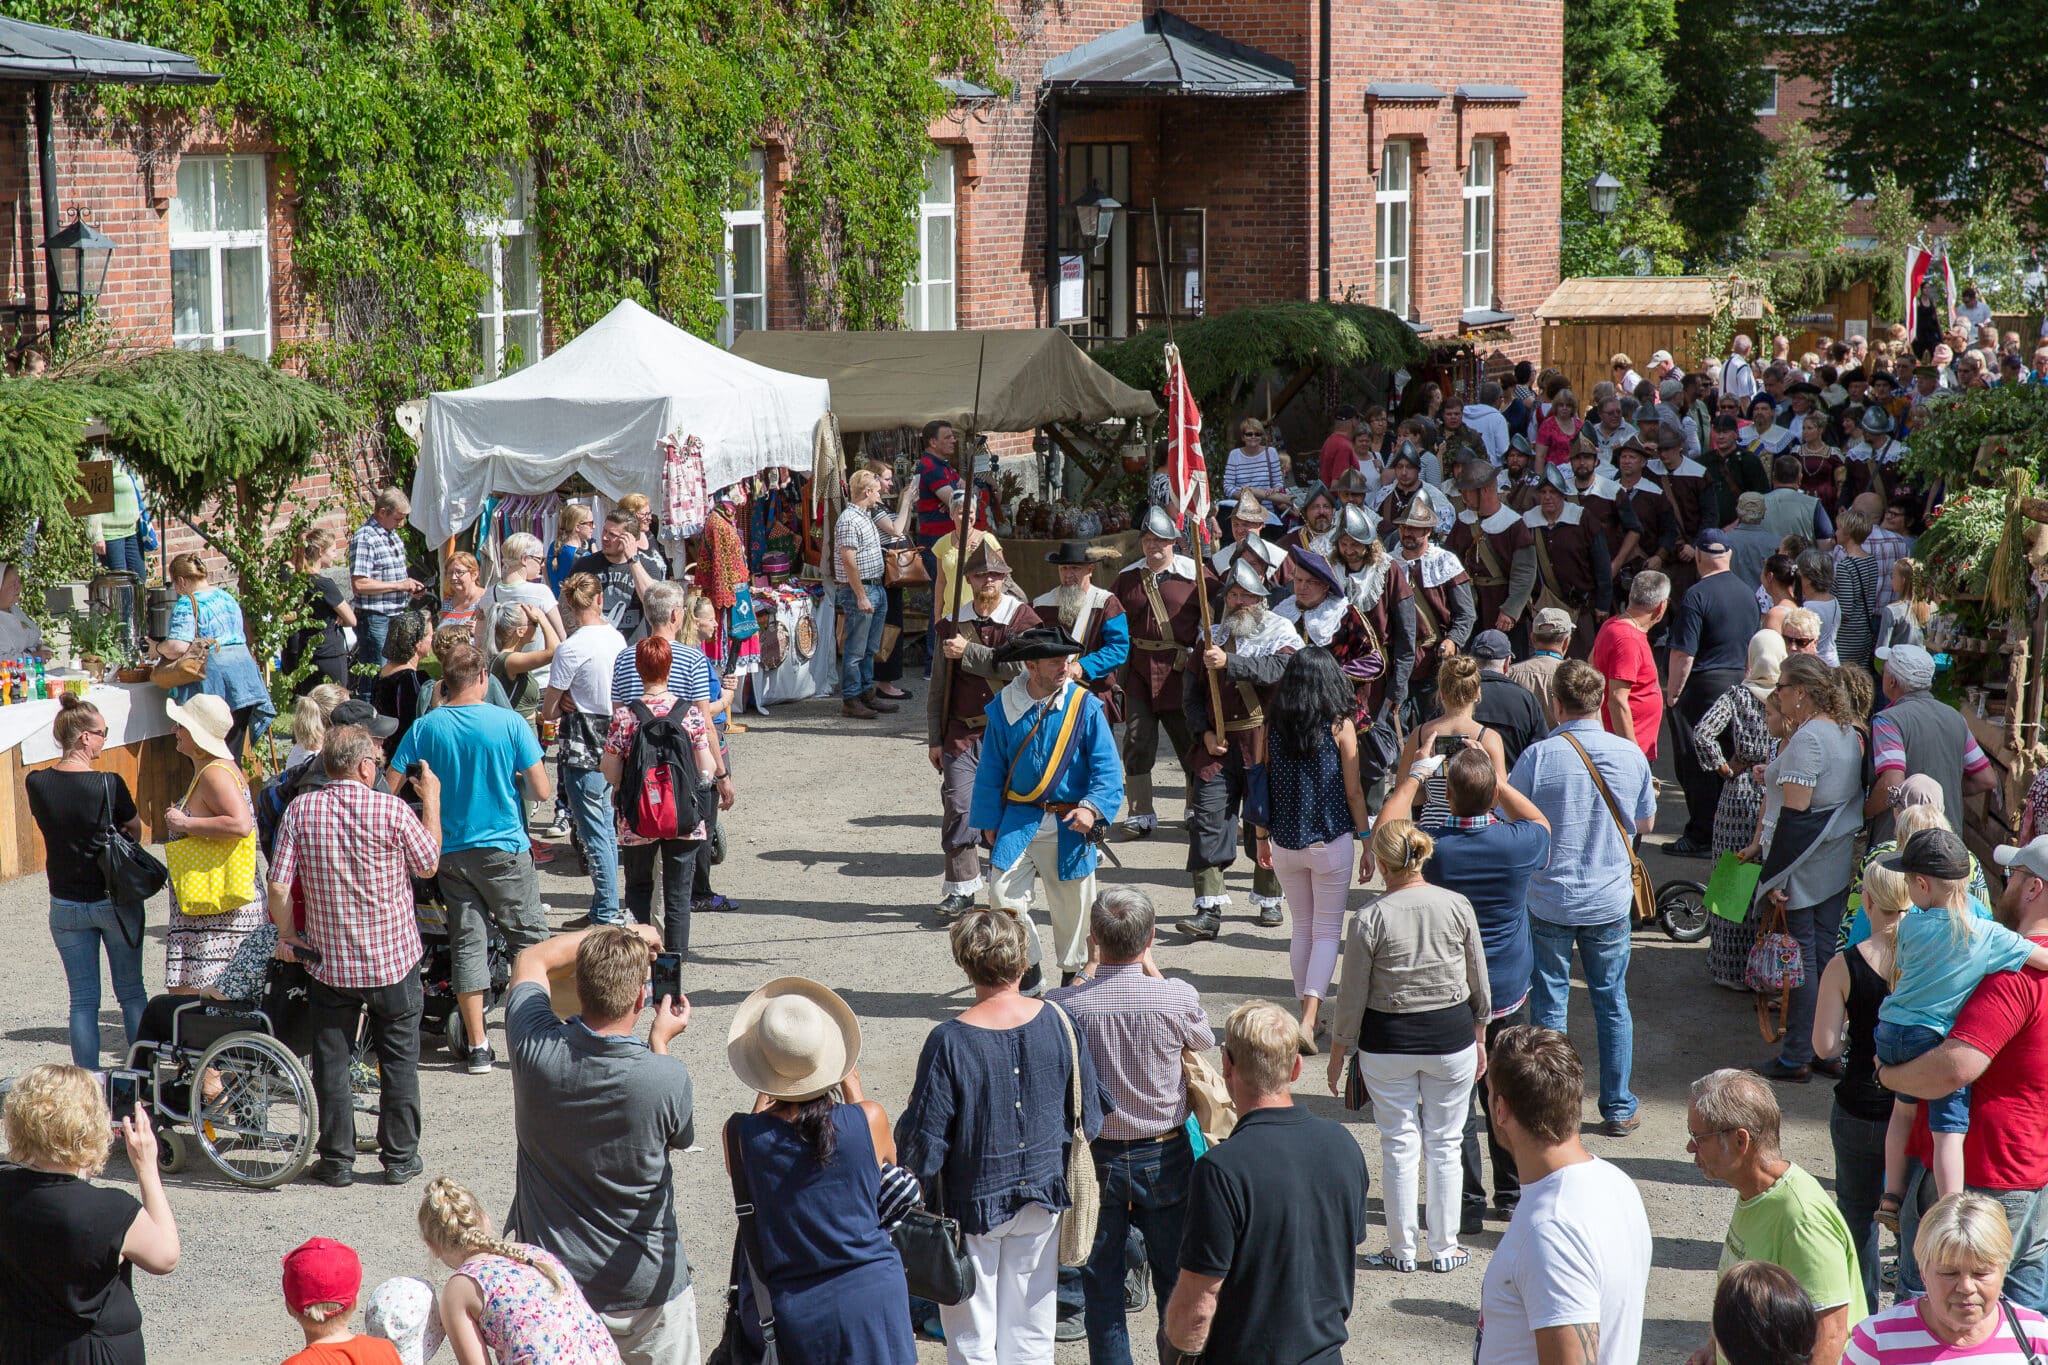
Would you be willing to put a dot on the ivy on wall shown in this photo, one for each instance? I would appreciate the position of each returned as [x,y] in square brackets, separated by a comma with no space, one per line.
[399,126]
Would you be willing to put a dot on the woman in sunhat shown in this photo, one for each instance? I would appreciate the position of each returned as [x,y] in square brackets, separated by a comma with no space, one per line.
[217,808]
[814,1153]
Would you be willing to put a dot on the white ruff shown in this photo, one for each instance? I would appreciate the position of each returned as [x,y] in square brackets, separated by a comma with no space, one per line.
[1006,610]
[1438,566]
[1275,635]
[1365,587]
[1319,623]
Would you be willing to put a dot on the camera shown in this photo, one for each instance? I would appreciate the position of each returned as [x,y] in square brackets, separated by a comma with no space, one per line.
[125,1089]
[667,977]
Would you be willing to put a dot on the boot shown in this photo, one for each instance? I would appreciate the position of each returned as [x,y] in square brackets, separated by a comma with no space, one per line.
[853,708]
[873,701]
[1204,923]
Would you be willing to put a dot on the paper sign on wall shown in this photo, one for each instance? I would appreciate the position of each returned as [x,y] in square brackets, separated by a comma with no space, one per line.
[1073,299]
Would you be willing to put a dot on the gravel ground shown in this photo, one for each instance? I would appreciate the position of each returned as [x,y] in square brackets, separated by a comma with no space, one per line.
[834,858]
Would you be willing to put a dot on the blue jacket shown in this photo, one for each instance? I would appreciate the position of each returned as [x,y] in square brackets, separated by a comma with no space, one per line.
[1096,776]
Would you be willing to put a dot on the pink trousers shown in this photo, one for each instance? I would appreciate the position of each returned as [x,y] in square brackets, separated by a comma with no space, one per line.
[1316,882]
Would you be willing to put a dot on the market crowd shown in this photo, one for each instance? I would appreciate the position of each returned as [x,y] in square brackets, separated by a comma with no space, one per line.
[1437,658]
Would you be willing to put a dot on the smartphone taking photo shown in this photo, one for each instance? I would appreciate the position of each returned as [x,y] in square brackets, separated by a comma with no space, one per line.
[125,1088]
[667,978]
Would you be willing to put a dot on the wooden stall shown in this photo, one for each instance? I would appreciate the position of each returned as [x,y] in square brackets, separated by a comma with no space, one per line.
[141,750]
[1589,320]
[1850,310]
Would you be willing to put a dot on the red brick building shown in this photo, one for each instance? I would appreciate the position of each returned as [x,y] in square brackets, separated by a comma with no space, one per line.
[1793,97]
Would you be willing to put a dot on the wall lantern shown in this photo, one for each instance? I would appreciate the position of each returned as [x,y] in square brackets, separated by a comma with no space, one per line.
[1095,214]
[1605,192]
[82,254]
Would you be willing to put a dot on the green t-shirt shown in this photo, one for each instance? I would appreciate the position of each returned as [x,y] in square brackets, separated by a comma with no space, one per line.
[1795,1225]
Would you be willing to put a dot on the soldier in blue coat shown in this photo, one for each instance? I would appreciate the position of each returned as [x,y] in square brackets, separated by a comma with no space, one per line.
[1049,777]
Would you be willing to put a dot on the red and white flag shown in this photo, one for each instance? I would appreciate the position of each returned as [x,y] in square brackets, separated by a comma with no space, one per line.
[1186,469]
[1919,261]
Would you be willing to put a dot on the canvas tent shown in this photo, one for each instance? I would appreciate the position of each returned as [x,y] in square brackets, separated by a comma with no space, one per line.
[600,407]
[882,380]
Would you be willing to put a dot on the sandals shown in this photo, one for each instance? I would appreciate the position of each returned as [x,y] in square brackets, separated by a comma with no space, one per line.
[1887,1215]
[1387,1260]
[1453,1260]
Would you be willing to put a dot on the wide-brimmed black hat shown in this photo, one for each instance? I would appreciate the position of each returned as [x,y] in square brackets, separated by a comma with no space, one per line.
[1071,552]
[1039,642]
[1809,389]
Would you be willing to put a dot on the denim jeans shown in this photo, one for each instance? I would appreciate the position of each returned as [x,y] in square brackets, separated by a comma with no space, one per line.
[371,629]
[2026,1213]
[678,858]
[80,929]
[1603,957]
[1813,927]
[863,638]
[1144,1186]
[125,553]
[1898,1044]
[589,798]
[1859,1181]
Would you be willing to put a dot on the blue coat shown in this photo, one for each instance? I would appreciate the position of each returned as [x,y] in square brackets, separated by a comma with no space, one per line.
[1096,775]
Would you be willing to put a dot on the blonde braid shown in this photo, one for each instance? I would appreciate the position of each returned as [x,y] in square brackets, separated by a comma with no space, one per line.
[451,1219]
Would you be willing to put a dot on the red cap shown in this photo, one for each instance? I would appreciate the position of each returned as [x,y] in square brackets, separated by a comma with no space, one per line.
[321,1270]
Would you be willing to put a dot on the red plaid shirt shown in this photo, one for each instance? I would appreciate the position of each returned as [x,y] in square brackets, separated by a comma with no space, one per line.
[351,848]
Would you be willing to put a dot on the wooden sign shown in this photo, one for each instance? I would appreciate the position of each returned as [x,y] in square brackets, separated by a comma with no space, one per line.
[96,480]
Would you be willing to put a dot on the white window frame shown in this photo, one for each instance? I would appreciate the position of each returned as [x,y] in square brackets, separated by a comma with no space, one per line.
[1390,264]
[751,216]
[1476,238]
[917,293]
[489,235]
[213,243]
[1769,108]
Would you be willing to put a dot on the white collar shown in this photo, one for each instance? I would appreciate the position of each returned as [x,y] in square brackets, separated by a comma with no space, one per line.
[1018,701]
[1365,586]
[1182,567]
[1005,612]
[1603,487]
[1276,636]
[1502,518]
[1437,566]
[1643,485]
[1319,623]
[1688,468]
[1533,518]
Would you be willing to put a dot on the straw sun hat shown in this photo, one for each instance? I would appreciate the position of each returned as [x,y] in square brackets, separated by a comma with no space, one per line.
[793,1039]
[207,719]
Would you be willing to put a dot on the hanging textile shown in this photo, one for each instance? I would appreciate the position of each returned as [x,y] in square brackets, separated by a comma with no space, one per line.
[685,499]
[722,566]
[772,525]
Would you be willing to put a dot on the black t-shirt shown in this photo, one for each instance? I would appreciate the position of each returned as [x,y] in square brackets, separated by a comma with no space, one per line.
[1278,1212]
[70,810]
[1511,710]
[62,1279]
[1715,622]
[621,599]
[321,632]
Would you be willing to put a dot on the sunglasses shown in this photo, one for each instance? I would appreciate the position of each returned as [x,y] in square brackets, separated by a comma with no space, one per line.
[1801,642]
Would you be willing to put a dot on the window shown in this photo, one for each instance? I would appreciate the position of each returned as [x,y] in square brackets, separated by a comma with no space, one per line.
[220,256]
[1390,229]
[928,298]
[1478,242]
[743,269]
[1113,289]
[1767,107]
[506,330]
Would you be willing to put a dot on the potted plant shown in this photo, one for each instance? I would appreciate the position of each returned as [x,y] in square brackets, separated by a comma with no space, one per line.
[95,639]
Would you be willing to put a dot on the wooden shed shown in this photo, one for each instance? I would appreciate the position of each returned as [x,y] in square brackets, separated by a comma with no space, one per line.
[1589,320]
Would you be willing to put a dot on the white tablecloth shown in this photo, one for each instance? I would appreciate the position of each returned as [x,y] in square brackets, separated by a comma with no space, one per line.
[799,678]
[134,712]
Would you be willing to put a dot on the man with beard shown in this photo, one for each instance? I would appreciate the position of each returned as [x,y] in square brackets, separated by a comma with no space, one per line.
[955,717]
[1318,522]
[1395,499]
[1446,612]
[1645,500]
[1164,618]
[1574,575]
[1094,618]
[1495,548]
[1607,516]
[1052,776]
[1871,459]
[1322,615]
[1248,649]
[1524,483]
[1383,598]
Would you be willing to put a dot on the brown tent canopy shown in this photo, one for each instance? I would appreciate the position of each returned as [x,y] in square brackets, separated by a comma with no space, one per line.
[881,380]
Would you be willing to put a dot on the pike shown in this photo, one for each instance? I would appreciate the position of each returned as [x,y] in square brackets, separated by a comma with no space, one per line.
[964,464]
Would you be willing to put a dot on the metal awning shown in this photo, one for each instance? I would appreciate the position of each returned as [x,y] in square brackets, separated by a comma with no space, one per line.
[1398,92]
[962,89]
[1164,54]
[39,53]
[1492,94]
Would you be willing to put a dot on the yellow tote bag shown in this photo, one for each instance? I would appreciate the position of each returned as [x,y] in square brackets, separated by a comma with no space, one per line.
[211,876]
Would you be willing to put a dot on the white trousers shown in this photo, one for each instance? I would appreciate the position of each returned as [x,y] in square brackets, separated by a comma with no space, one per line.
[1010,889]
[665,1334]
[1008,1320]
[1420,1103]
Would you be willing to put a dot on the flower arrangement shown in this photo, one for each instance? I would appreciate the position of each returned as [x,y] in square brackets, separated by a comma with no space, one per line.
[1962,538]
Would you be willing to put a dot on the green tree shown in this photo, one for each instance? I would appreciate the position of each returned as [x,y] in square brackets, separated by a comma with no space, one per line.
[1801,208]
[1947,96]
[1614,90]
[1712,156]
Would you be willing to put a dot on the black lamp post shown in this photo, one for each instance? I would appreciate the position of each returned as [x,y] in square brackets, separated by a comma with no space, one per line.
[81,254]
[1095,215]
[1604,192]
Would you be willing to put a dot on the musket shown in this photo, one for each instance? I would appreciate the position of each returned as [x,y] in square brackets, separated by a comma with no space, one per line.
[963,462]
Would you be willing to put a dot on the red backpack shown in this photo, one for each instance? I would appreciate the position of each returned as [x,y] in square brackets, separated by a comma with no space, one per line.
[660,794]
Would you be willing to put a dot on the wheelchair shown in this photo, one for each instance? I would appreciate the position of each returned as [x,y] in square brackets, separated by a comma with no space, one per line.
[259,1128]
[1682,911]
[439,1015]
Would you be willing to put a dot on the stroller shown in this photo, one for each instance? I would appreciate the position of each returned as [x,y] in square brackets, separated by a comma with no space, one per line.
[437,968]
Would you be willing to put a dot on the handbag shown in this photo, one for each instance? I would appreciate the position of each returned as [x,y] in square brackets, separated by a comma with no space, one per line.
[1208,1097]
[2019,1331]
[904,568]
[132,872]
[1644,889]
[189,667]
[740,623]
[211,876]
[934,1252]
[734,1348]
[1084,1194]
[1774,971]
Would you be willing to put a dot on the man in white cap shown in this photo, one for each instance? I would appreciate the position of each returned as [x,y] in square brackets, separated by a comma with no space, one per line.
[1165,617]
[1919,733]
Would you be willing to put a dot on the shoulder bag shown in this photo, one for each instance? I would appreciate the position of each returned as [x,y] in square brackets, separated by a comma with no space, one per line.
[903,567]
[934,1252]
[189,667]
[1645,890]
[211,876]
[1084,1194]
[1774,970]
[132,872]
[734,1348]
[2019,1331]
[1208,1098]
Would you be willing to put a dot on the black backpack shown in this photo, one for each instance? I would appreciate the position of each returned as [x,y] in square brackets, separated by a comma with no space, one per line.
[660,793]
[306,775]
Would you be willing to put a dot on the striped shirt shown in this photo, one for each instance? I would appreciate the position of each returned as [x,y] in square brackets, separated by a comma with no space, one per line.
[1898,1336]
[689,675]
[1136,1026]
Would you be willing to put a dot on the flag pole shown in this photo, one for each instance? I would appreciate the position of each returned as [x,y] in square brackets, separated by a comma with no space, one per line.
[1179,434]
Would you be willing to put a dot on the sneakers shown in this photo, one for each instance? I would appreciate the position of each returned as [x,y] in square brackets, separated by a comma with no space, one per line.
[481,1060]
[332,1174]
[1387,1260]
[558,830]
[713,904]
[1620,1128]
[398,1172]
[1203,924]
[953,906]
[1684,847]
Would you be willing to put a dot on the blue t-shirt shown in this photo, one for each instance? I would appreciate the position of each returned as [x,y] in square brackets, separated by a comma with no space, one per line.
[1491,868]
[478,753]
[561,558]
[1937,974]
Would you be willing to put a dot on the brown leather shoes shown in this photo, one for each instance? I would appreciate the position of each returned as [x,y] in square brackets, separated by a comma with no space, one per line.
[873,701]
[853,708]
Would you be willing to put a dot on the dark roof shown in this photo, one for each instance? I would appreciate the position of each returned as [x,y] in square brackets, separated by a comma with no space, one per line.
[1493,94]
[1474,319]
[1164,54]
[1404,90]
[961,89]
[38,53]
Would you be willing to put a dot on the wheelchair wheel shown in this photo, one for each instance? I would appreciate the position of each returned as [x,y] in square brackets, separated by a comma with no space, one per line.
[173,1150]
[259,1130]
[1682,911]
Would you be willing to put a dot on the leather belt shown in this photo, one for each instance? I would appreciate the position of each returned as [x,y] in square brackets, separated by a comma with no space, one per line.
[1167,1136]
[1059,810]
[1157,644]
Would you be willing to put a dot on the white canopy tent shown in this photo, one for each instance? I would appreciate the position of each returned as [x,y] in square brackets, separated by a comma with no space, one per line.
[600,407]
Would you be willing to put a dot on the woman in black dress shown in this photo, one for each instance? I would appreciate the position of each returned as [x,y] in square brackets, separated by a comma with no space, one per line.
[67,1246]
[323,613]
